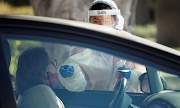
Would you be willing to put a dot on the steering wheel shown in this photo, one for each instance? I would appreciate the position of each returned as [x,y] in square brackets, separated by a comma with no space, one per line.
[118,94]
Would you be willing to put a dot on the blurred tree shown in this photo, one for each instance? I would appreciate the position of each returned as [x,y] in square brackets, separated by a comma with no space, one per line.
[168,22]
[142,12]
[145,12]
[73,10]
[126,7]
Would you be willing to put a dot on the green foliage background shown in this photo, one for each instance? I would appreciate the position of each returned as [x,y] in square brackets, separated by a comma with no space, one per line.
[17,47]
[5,8]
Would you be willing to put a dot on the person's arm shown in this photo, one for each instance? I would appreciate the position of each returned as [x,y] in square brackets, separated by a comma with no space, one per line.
[72,81]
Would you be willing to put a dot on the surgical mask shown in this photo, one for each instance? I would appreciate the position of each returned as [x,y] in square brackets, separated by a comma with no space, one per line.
[52,79]
[111,26]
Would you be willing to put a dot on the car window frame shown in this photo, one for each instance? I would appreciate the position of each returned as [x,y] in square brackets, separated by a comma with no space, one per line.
[116,45]
[6,92]
[63,41]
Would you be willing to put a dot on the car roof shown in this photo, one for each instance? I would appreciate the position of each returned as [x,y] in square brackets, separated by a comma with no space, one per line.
[93,27]
[107,39]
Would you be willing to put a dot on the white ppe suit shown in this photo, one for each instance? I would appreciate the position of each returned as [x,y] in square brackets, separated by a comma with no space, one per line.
[95,70]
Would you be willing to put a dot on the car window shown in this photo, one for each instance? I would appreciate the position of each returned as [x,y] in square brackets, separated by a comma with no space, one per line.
[98,68]
[171,80]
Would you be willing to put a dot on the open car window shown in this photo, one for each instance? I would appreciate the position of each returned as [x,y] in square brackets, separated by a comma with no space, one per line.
[50,61]
[98,68]
[95,71]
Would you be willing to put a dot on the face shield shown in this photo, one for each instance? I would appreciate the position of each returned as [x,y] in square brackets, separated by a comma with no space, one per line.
[109,18]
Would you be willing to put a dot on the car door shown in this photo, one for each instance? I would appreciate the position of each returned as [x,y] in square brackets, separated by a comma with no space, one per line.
[57,33]
[88,98]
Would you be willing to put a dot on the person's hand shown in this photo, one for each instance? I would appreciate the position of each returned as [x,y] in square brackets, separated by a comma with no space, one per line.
[125,72]
[66,71]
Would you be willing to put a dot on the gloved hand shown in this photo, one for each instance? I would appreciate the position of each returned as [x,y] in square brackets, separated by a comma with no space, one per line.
[66,71]
[125,72]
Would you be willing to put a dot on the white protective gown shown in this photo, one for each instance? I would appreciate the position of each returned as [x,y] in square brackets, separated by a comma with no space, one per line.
[95,70]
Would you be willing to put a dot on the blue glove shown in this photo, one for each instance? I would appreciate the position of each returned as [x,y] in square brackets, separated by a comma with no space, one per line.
[66,71]
[125,72]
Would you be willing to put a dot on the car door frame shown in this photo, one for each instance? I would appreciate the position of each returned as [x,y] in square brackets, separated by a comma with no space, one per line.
[147,55]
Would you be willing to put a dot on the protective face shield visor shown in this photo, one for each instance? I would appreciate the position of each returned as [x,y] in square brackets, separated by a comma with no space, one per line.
[109,18]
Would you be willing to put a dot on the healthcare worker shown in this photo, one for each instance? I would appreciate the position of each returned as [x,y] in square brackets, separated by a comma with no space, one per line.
[88,69]
[106,13]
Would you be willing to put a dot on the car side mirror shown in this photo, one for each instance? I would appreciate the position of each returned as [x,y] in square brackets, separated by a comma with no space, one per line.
[164,83]
[144,83]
